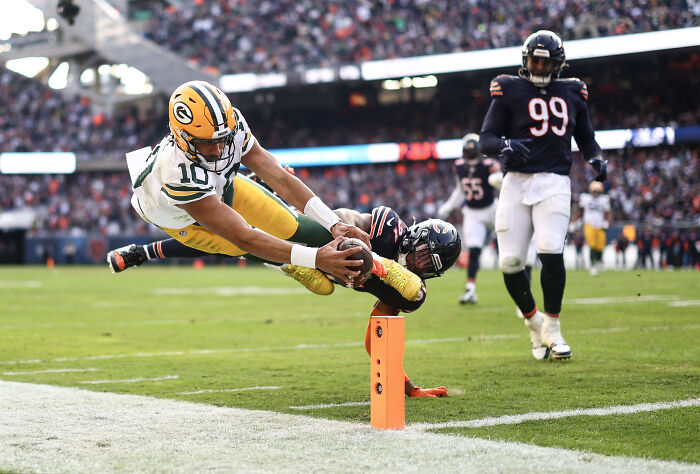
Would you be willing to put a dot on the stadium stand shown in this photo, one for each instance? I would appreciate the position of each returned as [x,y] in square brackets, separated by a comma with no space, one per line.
[289,34]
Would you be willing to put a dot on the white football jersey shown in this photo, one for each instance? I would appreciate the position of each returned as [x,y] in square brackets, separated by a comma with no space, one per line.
[167,178]
[594,209]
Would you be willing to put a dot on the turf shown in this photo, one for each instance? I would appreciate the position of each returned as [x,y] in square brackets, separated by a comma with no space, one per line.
[222,328]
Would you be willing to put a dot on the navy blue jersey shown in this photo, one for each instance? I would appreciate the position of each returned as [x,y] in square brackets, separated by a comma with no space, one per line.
[385,234]
[474,182]
[549,116]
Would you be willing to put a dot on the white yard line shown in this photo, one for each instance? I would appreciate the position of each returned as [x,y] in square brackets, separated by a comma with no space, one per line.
[536,416]
[20,284]
[231,291]
[330,405]
[107,324]
[50,371]
[620,299]
[476,337]
[66,430]
[244,389]
[138,379]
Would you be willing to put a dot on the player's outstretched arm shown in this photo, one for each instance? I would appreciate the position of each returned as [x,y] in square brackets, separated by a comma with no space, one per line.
[219,218]
[292,190]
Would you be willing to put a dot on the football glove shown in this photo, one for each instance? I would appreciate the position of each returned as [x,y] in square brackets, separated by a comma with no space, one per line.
[515,152]
[600,166]
[418,392]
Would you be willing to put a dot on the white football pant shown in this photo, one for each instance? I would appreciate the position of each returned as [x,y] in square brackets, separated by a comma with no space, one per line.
[476,223]
[546,215]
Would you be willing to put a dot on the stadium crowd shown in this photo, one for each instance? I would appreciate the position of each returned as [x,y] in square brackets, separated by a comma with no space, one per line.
[651,188]
[37,118]
[285,35]
[41,119]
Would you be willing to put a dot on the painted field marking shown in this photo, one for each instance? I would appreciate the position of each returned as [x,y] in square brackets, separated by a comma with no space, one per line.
[50,371]
[138,379]
[149,322]
[621,299]
[20,284]
[58,429]
[685,303]
[230,291]
[537,416]
[244,389]
[485,337]
[330,405]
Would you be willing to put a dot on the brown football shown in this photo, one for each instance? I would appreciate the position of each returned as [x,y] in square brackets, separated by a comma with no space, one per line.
[363,253]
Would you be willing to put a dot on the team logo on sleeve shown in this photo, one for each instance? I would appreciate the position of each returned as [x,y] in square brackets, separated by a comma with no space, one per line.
[182,113]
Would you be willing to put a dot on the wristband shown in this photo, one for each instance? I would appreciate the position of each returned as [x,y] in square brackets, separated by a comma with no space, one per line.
[318,211]
[303,256]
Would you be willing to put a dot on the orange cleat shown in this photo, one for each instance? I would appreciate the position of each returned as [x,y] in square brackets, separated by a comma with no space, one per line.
[418,392]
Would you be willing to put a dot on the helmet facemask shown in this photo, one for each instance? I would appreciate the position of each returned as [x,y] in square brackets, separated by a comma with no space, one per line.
[210,162]
[470,149]
[548,48]
[419,256]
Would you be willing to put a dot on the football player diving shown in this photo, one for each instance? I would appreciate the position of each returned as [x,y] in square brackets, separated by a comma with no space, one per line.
[427,249]
[530,122]
[185,186]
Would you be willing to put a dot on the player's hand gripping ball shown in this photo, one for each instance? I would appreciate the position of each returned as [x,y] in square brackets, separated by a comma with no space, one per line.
[363,253]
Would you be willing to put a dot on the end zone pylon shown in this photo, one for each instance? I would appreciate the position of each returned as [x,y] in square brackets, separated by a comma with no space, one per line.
[387,402]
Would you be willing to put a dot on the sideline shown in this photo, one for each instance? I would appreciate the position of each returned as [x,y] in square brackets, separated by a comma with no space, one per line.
[45,428]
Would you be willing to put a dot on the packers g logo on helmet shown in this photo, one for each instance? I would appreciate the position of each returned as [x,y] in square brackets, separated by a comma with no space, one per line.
[201,114]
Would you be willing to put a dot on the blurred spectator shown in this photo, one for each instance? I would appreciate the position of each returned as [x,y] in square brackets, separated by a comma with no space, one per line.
[647,192]
[621,244]
[236,36]
[36,118]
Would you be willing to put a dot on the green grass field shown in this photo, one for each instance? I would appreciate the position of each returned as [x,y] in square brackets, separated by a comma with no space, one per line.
[634,337]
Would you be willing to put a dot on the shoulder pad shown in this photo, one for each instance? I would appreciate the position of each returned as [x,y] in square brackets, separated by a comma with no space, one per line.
[497,84]
[577,86]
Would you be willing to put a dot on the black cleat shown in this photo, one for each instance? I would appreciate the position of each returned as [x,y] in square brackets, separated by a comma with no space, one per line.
[125,257]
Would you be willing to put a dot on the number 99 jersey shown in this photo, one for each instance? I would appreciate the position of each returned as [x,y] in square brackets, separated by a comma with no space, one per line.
[550,116]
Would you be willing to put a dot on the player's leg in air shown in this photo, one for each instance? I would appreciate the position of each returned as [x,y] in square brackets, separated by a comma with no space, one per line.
[261,209]
[383,309]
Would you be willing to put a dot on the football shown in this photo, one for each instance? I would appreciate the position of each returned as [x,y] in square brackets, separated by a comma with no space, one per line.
[363,253]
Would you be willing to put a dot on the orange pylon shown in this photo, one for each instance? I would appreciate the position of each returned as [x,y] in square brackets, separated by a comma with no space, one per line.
[387,403]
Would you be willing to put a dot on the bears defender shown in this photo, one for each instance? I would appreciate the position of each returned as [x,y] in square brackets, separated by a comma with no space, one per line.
[530,122]
[478,179]
[427,249]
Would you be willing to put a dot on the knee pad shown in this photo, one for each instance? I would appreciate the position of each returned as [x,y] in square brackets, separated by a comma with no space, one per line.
[510,264]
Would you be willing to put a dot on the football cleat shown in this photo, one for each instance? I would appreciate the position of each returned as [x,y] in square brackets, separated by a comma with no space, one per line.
[314,280]
[534,324]
[469,297]
[402,280]
[552,338]
[418,392]
[126,257]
